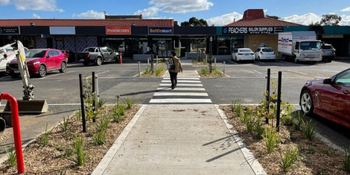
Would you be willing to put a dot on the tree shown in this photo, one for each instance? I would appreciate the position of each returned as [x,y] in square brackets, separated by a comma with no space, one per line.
[194,22]
[330,20]
[272,16]
[315,24]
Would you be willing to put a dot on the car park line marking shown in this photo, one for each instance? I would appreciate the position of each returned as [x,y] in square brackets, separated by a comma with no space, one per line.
[181,89]
[231,62]
[57,74]
[181,81]
[180,100]
[260,73]
[99,73]
[182,85]
[181,94]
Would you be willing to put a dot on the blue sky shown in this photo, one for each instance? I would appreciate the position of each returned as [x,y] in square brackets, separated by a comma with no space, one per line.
[217,12]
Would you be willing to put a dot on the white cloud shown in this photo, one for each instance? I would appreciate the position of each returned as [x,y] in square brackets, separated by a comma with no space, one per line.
[35,16]
[39,5]
[182,6]
[224,19]
[345,20]
[305,19]
[91,14]
[346,10]
[4,2]
[160,17]
[152,11]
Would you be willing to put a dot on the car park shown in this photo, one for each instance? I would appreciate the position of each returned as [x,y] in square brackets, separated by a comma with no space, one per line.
[243,54]
[328,98]
[328,52]
[264,53]
[39,62]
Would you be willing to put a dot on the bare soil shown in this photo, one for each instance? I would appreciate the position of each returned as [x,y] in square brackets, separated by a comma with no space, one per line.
[314,157]
[54,158]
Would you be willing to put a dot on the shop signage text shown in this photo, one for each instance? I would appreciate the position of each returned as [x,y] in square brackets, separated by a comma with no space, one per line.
[160,30]
[9,30]
[251,30]
[118,30]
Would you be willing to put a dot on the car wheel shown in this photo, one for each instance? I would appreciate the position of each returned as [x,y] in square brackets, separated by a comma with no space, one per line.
[306,102]
[42,71]
[13,75]
[98,61]
[63,67]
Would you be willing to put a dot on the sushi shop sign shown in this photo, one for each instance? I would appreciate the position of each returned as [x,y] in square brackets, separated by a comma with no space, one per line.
[251,30]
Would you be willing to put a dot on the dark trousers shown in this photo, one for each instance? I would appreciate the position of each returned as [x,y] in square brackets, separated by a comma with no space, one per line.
[173,79]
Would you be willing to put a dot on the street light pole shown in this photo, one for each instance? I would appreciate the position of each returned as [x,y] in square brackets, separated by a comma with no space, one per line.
[210,54]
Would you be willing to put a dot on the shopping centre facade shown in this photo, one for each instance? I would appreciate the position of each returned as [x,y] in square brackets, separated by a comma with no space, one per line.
[132,34]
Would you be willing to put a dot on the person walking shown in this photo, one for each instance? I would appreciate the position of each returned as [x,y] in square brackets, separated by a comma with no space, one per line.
[175,67]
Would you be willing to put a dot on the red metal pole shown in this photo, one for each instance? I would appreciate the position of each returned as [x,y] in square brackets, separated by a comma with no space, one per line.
[121,58]
[16,130]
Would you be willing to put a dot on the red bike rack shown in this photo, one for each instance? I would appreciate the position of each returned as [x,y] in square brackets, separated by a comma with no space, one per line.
[16,130]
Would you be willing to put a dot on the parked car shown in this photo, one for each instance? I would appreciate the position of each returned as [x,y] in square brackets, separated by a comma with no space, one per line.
[97,55]
[243,54]
[265,53]
[6,56]
[328,52]
[39,62]
[69,55]
[328,98]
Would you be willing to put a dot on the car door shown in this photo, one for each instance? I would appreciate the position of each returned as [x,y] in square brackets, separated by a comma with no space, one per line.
[58,59]
[50,60]
[105,53]
[335,97]
[111,54]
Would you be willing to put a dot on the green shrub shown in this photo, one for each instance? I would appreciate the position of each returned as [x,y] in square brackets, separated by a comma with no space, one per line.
[44,139]
[204,61]
[129,102]
[11,157]
[79,150]
[159,70]
[194,61]
[347,160]
[101,131]
[289,158]
[147,71]
[121,109]
[297,121]
[271,139]
[100,103]
[64,124]
[117,117]
[287,120]
[259,129]
[309,129]
[204,71]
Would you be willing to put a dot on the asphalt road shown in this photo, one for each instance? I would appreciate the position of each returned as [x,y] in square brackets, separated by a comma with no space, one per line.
[246,81]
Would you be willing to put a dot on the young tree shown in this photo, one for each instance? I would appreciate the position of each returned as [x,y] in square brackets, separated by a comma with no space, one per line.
[330,20]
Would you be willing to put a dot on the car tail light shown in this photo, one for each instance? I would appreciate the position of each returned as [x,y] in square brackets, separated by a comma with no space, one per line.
[262,53]
[89,55]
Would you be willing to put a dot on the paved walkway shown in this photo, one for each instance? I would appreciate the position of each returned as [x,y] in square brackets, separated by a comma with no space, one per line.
[174,138]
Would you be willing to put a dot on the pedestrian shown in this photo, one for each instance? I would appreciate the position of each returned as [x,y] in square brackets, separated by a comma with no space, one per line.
[175,67]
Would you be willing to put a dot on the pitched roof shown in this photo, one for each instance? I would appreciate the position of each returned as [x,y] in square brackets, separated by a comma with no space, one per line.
[87,22]
[256,17]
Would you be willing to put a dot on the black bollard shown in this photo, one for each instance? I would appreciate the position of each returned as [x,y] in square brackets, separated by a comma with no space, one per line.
[279,100]
[93,98]
[268,95]
[82,103]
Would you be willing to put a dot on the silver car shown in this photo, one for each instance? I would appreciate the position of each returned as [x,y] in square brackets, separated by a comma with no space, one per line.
[328,52]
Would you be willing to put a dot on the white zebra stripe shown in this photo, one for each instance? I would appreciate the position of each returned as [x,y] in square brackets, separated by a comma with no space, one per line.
[182,85]
[180,94]
[180,100]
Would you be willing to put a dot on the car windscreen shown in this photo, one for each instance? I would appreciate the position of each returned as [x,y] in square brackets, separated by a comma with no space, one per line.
[309,45]
[267,50]
[244,50]
[90,49]
[35,53]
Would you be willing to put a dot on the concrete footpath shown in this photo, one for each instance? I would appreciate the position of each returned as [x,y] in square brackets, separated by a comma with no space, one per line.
[177,139]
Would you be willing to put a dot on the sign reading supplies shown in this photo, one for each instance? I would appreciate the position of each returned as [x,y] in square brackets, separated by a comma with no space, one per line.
[251,30]
[160,30]
[9,30]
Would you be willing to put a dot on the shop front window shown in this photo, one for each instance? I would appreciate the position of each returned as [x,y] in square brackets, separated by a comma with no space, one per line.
[226,44]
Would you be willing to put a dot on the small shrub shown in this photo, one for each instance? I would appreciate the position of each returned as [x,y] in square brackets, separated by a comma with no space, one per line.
[78,115]
[11,157]
[79,150]
[271,139]
[194,61]
[159,70]
[64,124]
[101,130]
[259,129]
[309,129]
[310,150]
[289,158]
[205,61]
[298,121]
[121,109]
[129,102]
[44,139]
[347,160]
[287,120]
[100,103]
[117,117]
[147,71]
[68,151]
[204,71]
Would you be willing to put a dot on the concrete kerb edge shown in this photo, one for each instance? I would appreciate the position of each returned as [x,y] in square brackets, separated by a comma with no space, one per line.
[104,163]
[252,161]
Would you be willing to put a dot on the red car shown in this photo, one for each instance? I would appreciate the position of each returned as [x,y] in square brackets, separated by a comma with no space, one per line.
[39,62]
[328,98]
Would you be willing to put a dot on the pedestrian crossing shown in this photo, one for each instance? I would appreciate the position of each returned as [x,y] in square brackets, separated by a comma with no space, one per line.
[188,91]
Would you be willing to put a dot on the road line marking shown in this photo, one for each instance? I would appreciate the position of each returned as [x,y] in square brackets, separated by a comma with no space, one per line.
[182,78]
[181,81]
[180,94]
[180,100]
[181,89]
[182,85]
[98,73]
